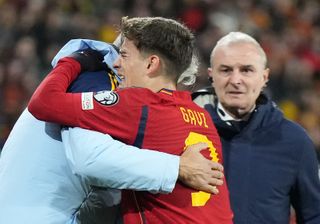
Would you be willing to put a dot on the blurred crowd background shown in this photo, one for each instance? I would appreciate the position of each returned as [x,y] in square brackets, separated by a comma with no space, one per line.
[32,31]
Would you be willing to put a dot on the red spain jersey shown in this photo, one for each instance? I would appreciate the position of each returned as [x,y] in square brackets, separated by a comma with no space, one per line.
[167,121]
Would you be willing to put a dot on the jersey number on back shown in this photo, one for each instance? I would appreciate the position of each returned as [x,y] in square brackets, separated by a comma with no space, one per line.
[200,198]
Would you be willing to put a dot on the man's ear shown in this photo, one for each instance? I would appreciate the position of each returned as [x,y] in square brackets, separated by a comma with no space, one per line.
[210,75]
[266,73]
[154,65]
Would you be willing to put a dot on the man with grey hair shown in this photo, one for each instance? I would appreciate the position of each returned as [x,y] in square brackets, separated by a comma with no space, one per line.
[270,162]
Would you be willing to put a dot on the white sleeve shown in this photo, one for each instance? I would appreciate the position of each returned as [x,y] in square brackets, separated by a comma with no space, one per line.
[109,163]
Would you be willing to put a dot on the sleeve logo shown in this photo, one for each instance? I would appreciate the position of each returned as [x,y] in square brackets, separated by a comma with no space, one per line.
[107,98]
[87,101]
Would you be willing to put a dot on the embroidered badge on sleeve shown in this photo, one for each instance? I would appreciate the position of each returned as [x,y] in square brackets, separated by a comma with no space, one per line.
[107,98]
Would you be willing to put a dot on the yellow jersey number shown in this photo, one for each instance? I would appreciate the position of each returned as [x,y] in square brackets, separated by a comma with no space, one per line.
[200,198]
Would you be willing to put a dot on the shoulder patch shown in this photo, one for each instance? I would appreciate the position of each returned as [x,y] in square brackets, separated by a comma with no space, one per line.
[107,98]
[86,101]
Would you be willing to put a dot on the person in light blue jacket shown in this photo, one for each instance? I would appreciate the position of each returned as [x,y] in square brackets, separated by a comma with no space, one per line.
[39,185]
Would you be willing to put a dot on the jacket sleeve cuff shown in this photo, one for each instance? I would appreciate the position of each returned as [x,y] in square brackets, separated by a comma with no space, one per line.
[170,175]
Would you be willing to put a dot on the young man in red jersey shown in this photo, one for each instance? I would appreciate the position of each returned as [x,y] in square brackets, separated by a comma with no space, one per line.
[153,54]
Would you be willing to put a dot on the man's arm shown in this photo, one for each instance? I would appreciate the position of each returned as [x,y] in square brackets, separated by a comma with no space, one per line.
[305,195]
[107,162]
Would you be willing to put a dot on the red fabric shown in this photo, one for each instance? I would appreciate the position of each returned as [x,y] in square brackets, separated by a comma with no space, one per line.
[173,120]
[168,129]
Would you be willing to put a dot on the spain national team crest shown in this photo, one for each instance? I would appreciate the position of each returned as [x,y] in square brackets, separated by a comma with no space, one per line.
[107,98]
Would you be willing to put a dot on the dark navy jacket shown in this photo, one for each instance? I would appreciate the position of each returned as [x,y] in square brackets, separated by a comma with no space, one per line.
[94,210]
[270,164]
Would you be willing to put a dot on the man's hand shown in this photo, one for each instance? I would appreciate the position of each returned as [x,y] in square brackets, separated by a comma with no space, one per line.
[198,172]
[90,60]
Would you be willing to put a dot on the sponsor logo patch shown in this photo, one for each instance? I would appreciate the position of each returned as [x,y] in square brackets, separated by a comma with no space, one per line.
[107,98]
[87,101]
